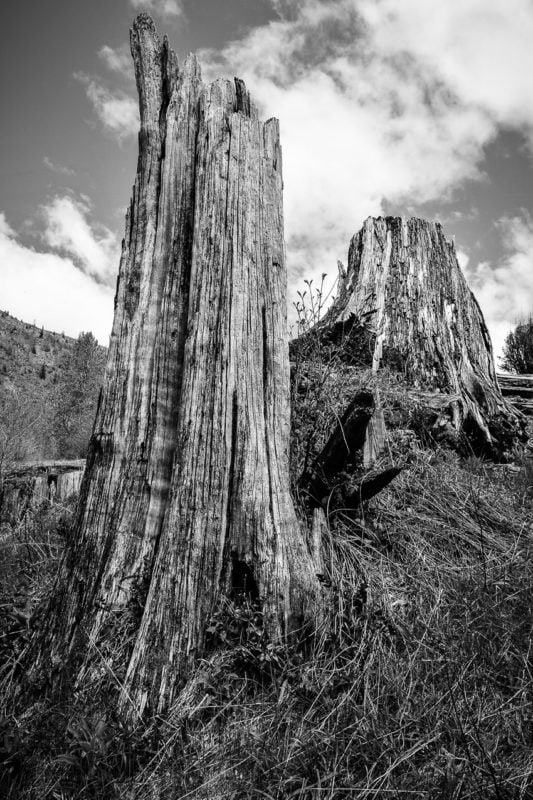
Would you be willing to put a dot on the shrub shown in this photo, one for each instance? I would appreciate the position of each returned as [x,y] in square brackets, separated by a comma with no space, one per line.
[518,349]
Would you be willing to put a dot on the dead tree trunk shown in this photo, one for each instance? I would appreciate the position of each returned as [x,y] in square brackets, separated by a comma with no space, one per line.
[186,493]
[403,280]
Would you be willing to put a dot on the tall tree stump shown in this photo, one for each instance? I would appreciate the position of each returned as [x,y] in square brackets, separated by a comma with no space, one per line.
[186,492]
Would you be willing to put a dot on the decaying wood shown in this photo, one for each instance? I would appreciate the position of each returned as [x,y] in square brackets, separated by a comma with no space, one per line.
[27,485]
[319,530]
[187,479]
[376,436]
[345,443]
[369,486]
[353,446]
[404,281]
[518,390]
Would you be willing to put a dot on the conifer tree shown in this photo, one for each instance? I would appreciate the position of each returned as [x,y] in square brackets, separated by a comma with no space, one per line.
[76,397]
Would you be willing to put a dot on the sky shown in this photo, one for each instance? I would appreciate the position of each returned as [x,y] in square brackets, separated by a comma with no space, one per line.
[400,107]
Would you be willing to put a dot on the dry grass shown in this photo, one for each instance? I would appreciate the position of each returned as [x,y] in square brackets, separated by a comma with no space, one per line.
[421,685]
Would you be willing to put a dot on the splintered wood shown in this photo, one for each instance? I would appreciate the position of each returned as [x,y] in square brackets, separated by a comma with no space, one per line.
[187,480]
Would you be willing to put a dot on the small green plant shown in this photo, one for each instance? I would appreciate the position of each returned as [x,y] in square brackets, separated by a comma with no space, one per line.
[311,304]
[89,749]
[237,621]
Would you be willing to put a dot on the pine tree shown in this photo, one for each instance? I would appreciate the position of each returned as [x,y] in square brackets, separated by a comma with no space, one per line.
[77,395]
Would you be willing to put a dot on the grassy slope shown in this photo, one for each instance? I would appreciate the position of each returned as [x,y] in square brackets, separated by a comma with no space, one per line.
[32,362]
[419,685]
[422,686]
[23,352]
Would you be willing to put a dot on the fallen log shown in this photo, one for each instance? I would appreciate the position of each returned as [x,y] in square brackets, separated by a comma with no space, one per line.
[352,448]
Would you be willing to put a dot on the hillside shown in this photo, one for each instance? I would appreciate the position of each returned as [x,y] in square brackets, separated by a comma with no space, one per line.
[34,376]
[24,350]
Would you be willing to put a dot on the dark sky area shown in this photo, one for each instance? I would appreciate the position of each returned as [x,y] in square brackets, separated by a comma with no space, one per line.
[47,113]
[374,119]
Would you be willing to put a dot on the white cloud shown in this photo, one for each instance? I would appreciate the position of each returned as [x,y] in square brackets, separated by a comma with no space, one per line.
[93,247]
[380,100]
[59,168]
[5,228]
[167,9]
[356,128]
[117,59]
[481,49]
[505,290]
[463,258]
[50,289]
[117,110]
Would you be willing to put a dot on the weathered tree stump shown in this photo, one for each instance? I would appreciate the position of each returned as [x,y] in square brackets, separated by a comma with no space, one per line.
[403,280]
[187,482]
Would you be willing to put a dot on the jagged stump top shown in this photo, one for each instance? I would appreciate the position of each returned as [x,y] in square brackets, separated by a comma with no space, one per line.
[187,484]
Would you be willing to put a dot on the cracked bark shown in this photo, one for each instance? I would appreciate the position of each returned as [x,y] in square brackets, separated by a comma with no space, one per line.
[187,472]
[404,281]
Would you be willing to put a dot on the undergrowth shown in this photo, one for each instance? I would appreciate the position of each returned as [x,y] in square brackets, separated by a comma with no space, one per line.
[419,683]
[420,686]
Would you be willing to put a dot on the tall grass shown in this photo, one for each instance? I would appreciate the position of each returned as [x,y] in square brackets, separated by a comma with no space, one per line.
[418,684]
[420,687]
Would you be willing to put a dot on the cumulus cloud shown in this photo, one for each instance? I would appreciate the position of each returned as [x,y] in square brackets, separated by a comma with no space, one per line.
[5,228]
[50,289]
[117,59]
[117,110]
[357,126]
[94,248]
[481,49]
[167,9]
[380,101]
[505,290]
